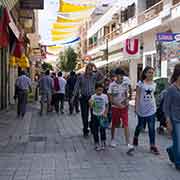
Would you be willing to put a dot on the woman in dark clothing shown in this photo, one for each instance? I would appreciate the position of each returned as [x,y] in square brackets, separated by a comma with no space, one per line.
[172,113]
[71,81]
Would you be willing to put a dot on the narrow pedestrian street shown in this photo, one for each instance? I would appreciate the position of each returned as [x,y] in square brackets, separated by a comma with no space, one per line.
[52,148]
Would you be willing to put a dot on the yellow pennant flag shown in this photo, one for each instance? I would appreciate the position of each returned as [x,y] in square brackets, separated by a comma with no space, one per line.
[56,32]
[61,26]
[54,47]
[66,7]
[58,38]
[65,20]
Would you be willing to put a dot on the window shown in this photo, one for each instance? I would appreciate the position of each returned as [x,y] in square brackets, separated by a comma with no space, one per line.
[150,3]
[128,13]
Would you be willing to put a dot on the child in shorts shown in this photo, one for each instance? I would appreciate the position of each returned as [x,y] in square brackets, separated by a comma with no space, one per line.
[118,94]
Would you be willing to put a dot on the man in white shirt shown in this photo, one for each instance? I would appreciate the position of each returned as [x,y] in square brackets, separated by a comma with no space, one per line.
[23,84]
[62,84]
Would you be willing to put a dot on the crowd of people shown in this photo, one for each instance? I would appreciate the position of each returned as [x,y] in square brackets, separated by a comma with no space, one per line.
[107,100]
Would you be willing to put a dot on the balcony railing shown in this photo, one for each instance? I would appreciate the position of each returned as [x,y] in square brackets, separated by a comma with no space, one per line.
[176,2]
[110,36]
[150,13]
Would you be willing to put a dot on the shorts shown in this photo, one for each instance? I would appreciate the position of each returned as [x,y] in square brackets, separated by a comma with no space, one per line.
[119,115]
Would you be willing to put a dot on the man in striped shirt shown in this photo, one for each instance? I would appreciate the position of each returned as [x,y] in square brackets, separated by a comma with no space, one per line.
[85,85]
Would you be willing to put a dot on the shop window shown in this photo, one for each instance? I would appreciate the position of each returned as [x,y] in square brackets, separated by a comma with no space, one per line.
[150,3]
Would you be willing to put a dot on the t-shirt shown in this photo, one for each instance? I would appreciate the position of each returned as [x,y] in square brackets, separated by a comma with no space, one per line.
[62,84]
[126,80]
[46,84]
[147,104]
[23,82]
[119,93]
[99,104]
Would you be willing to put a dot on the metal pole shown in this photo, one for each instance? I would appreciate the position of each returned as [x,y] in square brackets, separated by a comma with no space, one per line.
[107,56]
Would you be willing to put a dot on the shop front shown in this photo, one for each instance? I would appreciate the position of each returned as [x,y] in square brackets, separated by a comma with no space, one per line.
[168,52]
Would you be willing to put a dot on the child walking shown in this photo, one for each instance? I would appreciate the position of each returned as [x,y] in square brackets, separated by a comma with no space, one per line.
[118,94]
[99,105]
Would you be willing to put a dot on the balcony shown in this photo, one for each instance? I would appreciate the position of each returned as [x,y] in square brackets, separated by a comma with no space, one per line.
[174,2]
[146,20]
[110,36]
[150,13]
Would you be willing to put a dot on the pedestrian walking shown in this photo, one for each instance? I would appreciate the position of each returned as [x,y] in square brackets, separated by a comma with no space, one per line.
[53,76]
[71,81]
[56,93]
[172,113]
[22,85]
[62,84]
[99,104]
[46,88]
[118,94]
[106,87]
[86,85]
[145,107]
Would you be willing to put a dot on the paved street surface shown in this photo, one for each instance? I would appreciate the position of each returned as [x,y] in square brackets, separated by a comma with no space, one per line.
[52,148]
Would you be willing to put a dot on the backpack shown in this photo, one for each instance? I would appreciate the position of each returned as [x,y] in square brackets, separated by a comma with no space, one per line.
[56,84]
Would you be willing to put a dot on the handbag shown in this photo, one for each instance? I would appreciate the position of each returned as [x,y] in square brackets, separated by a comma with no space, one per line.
[104,122]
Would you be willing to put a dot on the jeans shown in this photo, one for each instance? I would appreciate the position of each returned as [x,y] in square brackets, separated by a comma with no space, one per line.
[150,120]
[174,150]
[61,98]
[96,129]
[22,101]
[84,104]
[46,98]
[56,99]
[75,104]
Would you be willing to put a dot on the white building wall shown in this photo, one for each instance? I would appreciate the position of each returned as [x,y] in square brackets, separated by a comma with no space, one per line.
[133,73]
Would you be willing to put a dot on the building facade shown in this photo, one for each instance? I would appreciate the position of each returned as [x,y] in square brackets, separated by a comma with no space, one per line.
[131,20]
[21,22]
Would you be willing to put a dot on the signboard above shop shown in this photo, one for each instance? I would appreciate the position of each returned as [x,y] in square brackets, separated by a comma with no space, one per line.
[32,4]
[168,37]
[169,46]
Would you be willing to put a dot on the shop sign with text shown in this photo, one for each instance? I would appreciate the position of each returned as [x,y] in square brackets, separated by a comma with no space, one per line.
[168,37]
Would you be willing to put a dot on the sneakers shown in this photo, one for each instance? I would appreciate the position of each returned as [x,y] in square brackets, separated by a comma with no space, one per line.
[135,141]
[154,150]
[130,149]
[97,147]
[103,145]
[113,143]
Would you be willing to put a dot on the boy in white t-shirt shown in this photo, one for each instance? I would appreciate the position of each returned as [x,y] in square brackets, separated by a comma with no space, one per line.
[99,105]
[118,94]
